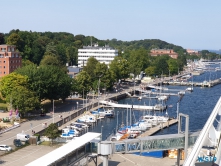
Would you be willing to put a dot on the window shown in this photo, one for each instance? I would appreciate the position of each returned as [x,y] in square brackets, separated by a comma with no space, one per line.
[4,67]
[4,61]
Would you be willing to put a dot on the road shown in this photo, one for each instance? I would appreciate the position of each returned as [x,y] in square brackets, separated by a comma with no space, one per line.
[36,123]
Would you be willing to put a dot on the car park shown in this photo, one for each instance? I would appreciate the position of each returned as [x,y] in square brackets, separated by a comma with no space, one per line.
[5,148]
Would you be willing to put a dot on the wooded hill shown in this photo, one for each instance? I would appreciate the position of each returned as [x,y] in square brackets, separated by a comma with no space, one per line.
[33,45]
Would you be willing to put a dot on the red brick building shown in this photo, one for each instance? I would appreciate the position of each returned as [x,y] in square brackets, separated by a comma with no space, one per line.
[10,59]
[160,52]
[192,52]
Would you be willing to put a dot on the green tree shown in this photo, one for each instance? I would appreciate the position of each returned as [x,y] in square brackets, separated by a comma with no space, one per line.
[161,65]
[51,49]
[139,61]
[14,89]
[83,80]
[150,71]
[120,68]
[2,39]
[52,132]
[71,55]
[50,60]
[15,39]
[24,100]
[10,82]
[47,81]
[89,68]
[104,75]
[173,66]
[78,44]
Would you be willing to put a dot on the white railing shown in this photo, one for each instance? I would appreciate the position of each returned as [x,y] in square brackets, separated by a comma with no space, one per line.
[192,157]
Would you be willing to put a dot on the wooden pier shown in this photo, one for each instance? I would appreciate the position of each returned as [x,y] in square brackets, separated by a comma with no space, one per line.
[159,127]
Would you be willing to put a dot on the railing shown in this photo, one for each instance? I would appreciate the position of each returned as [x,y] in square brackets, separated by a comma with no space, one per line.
[154,143]
[192,157]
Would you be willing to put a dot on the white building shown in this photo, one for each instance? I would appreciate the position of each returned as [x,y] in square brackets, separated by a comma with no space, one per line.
[103,54]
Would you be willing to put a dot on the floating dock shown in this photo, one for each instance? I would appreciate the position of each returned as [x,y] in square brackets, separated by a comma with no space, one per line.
[139,107]
[159,127]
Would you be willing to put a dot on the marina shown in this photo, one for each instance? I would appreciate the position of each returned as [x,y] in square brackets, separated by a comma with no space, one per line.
[129,114]
[140,107]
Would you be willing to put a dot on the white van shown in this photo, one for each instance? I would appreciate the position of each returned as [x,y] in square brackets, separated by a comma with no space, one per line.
[23,136]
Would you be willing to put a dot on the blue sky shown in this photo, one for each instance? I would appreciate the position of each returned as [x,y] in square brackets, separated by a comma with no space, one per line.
[194,24]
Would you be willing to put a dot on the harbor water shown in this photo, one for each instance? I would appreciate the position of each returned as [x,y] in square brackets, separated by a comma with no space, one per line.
[197,104]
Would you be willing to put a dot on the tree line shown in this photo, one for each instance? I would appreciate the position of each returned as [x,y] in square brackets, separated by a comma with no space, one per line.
[44,74]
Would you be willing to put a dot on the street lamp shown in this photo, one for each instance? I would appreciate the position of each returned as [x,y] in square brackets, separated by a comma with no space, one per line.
[53,111]
[117,122]
[77,105]
[101,132]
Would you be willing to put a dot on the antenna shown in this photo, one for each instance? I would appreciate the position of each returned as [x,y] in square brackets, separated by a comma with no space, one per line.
[91,41]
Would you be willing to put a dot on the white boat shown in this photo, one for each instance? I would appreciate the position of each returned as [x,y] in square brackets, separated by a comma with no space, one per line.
[67,133]
[159,107]
[217,69]
[107,113]
[130,130]
[189,89]
[147,123]
[87,119]
[155,119]
[162,98]
[181,93]
[139,126]
[81,124]
[116,137]
[75,127]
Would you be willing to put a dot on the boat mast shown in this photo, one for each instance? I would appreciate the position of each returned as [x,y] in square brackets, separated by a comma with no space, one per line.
[130,117]
[127,117]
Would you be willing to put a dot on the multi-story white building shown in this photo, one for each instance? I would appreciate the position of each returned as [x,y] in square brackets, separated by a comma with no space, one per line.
[103,54]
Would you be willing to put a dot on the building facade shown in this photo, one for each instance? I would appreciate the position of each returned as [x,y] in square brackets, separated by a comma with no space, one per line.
[103,54]
[160,52]
[10,59]
[192,52]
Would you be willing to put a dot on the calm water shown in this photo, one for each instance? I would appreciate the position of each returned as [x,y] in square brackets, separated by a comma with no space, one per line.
[198,105]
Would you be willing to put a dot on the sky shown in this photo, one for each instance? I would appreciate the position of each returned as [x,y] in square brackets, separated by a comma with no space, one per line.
[191,24]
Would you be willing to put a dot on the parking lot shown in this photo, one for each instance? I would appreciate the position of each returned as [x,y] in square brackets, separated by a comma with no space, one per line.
[25,155]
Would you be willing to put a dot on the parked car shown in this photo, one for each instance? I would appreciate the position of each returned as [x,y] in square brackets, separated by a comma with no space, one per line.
[23,137]
[17,142]
[5,148]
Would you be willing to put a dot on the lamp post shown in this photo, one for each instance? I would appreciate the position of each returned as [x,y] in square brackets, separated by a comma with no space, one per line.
[83,97]
[117,122]
[169,75]
[77,105]
[53,111]
[101,132]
